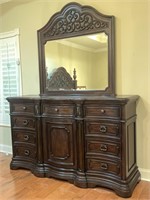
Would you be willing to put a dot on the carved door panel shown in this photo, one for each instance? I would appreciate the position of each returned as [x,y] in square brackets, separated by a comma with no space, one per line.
[60,143]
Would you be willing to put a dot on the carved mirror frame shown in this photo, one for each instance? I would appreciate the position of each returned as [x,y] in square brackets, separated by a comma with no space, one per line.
[76,20]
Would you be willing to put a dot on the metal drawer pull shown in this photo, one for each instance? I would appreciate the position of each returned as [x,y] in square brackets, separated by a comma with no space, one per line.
[25,122]
[103,147]
[103,129]
[104,166]
[24,108]
[26,137]
[27,152]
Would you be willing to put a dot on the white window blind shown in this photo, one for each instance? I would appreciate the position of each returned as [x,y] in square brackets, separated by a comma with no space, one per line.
[10,76]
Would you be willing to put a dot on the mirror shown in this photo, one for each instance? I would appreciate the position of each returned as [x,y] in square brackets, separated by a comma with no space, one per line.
[88,55]
[81,40]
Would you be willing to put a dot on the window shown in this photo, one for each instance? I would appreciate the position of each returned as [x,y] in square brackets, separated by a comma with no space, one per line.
[10,75]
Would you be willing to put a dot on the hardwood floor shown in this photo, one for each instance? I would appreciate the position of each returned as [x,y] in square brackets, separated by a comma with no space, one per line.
[22,185]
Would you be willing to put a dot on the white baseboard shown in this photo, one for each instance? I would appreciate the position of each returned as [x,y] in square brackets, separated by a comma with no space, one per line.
[5,149]
[145,174]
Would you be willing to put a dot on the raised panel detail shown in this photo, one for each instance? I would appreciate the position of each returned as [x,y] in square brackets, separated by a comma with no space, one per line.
[131,145]
[59,140]
[59,135]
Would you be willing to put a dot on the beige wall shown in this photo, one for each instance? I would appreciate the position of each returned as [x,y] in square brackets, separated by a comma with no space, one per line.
[132,54]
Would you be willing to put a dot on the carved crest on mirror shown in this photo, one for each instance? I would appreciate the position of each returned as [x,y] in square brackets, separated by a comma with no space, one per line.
[77,22]
[74,21]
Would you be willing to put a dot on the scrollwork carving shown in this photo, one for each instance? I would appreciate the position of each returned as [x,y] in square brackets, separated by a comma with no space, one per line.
[75,21]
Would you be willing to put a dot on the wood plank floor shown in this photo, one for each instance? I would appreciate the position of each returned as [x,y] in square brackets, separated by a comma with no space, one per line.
[22,185]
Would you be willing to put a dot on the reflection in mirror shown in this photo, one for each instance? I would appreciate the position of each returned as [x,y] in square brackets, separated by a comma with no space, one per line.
[87,54]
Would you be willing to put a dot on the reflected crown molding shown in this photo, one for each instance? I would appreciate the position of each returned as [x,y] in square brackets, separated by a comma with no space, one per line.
[81,47]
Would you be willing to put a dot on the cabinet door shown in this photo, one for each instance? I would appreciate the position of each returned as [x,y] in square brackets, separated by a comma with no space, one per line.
[59,143]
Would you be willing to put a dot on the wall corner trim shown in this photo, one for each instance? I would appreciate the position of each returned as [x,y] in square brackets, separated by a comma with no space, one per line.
[145,174]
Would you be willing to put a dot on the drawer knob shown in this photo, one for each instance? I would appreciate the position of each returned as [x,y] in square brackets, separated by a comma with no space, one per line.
[56,109]
[24,108]
[26,137]
[104,166]
[25,122]
[102,111]
[103,129]
[103,147]
[27,152]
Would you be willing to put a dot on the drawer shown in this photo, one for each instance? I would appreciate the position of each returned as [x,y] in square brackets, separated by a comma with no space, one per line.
[103,166]
[96,147]
[23,122]
[56,110]
[102,111]
[24,136]
[24,152]
[27,108]
[103,129]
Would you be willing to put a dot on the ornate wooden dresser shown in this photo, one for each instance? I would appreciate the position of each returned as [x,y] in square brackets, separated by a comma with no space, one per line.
[87,141]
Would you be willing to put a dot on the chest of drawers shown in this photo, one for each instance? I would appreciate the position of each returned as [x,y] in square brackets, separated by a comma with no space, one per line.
[89,141]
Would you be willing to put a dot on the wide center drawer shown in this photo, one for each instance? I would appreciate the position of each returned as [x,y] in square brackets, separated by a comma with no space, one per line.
[58,110]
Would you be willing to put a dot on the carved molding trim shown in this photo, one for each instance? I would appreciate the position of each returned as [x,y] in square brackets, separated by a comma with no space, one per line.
[74,20]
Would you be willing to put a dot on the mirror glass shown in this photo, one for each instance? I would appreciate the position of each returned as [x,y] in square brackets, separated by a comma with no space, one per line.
[88,55]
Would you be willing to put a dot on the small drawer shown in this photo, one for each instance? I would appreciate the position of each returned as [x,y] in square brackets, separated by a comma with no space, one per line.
[103,111]
[103,129]
[103,166]
[65,110]
[96,147]
[23,122]
[26,152]
[24,136]
[23,108]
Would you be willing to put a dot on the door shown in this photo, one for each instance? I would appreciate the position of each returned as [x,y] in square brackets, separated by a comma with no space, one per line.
[59,142]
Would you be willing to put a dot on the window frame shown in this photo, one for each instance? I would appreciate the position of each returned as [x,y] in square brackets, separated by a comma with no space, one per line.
[13,34]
